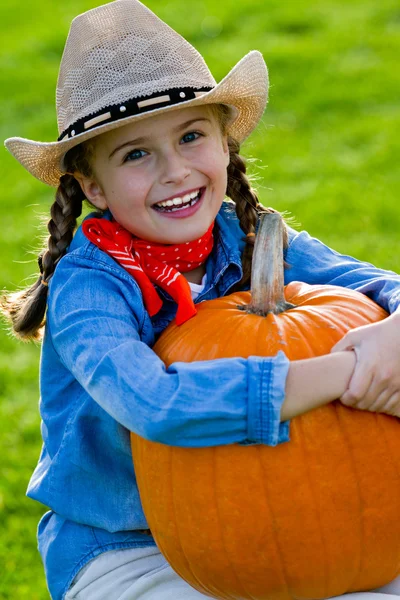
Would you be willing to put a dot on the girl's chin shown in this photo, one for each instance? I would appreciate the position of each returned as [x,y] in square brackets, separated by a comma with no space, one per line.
[170,235]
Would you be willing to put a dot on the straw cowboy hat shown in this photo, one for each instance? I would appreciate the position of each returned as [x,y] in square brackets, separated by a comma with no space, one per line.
[120,64]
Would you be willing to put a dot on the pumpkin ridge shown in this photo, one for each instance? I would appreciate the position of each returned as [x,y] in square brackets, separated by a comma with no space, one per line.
[142,482]
[388,446]
[329,299]
[165,552]
[176,521]
[320,315]
[340,315]
[339,409]
[300,324]
[161,544]
[274,529]
[357,480]
[201,339]
[220,529]
[317,508]
[374,522]
[301,293]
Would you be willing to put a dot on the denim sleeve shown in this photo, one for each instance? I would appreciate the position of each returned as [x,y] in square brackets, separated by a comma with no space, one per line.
[315,263]
[95,319]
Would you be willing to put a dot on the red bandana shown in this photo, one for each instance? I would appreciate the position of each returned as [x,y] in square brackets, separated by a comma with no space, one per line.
[150,262]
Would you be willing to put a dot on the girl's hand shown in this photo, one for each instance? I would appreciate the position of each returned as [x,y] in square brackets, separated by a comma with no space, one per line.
[375,383]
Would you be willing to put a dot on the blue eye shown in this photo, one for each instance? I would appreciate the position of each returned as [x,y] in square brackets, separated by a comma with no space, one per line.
[190,137]
[134,155]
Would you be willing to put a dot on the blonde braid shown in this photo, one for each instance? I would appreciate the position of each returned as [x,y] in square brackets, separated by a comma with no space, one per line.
[65,210]
[26,308]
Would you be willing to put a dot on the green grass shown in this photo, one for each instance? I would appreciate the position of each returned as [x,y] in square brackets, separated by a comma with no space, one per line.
[327,151]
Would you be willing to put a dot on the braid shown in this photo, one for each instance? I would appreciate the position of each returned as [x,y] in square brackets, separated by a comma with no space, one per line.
[26,308]
[65,210]
[248,207]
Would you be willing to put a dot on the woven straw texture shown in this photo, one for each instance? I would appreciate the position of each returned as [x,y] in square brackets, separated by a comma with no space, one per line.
[121,51]
[146,56]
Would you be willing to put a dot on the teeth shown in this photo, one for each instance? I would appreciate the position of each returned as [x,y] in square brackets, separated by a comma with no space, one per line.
[179,201]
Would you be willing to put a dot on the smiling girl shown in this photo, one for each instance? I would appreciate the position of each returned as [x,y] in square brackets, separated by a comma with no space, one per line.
[149,138]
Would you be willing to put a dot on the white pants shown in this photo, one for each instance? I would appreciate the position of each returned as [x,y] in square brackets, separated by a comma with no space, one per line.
[144,574]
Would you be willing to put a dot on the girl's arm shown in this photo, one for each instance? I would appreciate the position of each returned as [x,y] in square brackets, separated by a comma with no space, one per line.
[314,382]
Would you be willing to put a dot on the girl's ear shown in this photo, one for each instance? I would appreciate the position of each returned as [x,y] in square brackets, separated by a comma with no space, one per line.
[92,190]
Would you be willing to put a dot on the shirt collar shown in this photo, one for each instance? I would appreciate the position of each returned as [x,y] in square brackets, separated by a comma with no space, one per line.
[224,267]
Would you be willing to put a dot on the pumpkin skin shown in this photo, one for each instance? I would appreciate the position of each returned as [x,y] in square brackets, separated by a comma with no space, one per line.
[312,518]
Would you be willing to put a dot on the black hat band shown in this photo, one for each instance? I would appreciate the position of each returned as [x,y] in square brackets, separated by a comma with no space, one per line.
[129,108]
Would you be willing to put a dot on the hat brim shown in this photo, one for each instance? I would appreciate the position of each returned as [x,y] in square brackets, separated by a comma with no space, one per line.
[245,88]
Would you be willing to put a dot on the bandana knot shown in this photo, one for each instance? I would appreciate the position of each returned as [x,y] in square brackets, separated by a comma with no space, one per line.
[153,263]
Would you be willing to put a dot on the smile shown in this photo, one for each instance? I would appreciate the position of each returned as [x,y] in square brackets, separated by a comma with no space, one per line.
[179,202]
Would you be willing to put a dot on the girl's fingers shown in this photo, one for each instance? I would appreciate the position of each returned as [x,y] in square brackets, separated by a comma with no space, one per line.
[392,406]
[346,343]
[378,397]
[383,401]
[375,383]
[359,385]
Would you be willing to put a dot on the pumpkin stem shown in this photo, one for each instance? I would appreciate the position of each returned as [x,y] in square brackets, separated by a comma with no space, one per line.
[267,279]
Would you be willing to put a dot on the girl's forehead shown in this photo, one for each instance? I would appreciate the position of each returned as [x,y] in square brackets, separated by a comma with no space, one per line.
[154,125]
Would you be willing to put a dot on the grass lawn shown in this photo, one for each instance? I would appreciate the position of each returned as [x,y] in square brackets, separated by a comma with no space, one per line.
[327,152]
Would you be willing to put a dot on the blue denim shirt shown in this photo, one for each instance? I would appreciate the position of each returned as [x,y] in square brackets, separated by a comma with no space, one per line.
[99,379]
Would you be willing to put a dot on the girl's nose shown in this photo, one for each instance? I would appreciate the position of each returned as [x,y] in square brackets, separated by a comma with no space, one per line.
[174,168]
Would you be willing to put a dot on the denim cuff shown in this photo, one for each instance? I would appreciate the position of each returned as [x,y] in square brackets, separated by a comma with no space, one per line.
[267,379]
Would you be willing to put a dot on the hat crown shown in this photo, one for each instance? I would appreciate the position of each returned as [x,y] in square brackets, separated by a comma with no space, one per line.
[120,51]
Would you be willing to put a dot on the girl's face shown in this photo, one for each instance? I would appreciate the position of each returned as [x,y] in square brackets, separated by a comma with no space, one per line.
[163,178]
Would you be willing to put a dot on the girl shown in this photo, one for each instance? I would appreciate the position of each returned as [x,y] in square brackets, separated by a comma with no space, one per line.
[152,142]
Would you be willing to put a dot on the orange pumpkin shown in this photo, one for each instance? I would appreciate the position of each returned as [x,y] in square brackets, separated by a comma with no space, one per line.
[312,518]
